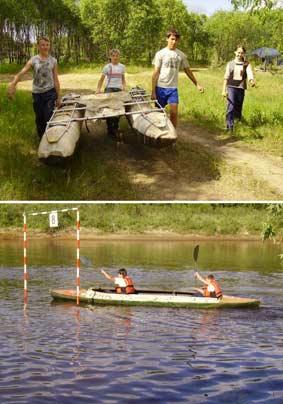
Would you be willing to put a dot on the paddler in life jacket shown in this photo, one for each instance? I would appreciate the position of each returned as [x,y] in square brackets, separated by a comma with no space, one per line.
[123,282]
[211,288]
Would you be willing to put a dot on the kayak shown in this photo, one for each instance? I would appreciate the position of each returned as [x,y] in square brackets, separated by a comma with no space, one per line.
[62,133]
[149,120]
[153,298]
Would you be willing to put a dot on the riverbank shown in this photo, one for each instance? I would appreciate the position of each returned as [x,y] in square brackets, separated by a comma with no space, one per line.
[146,221]
[86,234]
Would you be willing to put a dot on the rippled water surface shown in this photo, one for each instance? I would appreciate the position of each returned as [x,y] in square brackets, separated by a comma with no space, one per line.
[63,353]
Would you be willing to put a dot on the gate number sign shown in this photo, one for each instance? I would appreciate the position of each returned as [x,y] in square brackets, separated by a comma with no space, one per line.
[53,219]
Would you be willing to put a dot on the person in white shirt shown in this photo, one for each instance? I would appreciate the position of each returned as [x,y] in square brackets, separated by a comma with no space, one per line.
[114,72]
[167,62]
[238,71]
[46,93]
[123,283]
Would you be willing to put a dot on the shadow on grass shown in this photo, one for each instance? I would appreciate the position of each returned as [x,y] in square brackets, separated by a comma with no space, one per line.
[99,169]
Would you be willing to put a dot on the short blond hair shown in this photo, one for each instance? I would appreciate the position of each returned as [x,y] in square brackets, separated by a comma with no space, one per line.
[114,51]
[43,38]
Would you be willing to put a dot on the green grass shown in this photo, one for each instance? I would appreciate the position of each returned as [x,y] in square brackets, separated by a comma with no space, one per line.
[91,175]
[98,170]
[201,219]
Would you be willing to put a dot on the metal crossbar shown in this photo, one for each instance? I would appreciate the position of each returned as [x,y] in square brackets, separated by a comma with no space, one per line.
[91,118]
[50,211]
[142,112]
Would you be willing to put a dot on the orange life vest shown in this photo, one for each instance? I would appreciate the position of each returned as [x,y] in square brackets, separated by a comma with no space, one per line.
[217,290]
[129,288]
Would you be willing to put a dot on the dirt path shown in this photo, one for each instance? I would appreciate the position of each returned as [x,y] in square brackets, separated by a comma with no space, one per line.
[214,170]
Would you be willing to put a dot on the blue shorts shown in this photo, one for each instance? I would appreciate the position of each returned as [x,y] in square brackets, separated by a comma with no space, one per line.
[167,96]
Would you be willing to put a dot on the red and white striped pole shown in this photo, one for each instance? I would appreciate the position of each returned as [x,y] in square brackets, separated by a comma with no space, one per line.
[25,261]
[78,257]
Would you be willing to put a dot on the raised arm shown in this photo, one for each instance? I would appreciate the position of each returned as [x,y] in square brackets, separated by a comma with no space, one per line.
[17,78]
[111,278]
[155,76]
[200,278]
[99,84]
[191,76]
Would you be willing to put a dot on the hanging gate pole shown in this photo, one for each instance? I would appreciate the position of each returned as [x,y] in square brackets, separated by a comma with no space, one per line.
[25,260]
[78,257]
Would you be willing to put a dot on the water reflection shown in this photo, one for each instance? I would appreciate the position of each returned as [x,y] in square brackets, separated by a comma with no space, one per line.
[53,352]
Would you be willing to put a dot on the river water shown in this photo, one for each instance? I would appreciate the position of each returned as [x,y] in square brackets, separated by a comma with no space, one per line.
[65,353]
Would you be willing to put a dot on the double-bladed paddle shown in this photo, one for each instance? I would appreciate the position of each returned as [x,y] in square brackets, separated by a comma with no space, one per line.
[196,250]
[86,261]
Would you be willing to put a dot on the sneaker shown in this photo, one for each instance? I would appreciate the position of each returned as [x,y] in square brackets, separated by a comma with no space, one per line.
[229,129]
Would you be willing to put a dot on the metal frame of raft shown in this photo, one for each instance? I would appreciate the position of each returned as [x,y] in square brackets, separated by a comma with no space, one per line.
[67,122]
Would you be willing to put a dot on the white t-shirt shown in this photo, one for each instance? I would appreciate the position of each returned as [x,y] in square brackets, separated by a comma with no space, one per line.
[169,62]
[120,282]
[114,75]
[210,288]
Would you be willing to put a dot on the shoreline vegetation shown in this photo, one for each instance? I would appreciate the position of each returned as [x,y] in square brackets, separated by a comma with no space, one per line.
[147,221]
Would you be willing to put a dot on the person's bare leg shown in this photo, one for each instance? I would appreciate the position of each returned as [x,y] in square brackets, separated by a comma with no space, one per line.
[174,114]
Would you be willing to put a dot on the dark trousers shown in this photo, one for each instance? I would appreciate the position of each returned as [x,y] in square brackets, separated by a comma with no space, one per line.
[235,105]
[43,106]
[112,123]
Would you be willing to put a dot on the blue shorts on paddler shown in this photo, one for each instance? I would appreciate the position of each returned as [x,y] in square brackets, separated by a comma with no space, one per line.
[167,96]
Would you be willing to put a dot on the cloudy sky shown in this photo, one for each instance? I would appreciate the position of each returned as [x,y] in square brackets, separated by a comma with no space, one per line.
[207,6]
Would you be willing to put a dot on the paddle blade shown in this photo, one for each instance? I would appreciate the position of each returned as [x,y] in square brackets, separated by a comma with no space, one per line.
[86,261]
[196,250]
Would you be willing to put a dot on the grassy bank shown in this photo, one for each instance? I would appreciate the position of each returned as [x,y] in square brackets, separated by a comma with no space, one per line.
[99,170]
[199,219]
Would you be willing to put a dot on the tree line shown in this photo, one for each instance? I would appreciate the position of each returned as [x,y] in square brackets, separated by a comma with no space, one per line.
[85,30]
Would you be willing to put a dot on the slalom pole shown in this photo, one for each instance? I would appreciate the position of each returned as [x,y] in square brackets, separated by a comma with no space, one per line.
[25,260]
[78,257]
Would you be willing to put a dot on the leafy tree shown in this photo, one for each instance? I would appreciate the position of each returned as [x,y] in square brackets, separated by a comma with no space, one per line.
[227,29]
[199,39]
[256,4]
[141,37]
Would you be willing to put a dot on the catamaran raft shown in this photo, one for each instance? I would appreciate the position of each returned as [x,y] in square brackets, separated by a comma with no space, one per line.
[148,119]
[153,298]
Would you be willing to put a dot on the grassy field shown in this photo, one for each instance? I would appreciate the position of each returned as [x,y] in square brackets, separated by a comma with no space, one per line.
[98,170]
[200,219]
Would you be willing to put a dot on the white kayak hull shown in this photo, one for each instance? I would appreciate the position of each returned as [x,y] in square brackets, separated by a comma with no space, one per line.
[154,298]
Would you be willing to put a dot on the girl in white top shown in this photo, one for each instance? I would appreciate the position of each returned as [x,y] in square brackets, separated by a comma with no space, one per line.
[115,81]
[114,73]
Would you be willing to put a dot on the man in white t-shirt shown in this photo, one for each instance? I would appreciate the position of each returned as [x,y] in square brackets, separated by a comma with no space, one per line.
[168,61]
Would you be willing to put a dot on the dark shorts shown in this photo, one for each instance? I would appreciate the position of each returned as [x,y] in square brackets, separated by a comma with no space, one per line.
[167,96]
